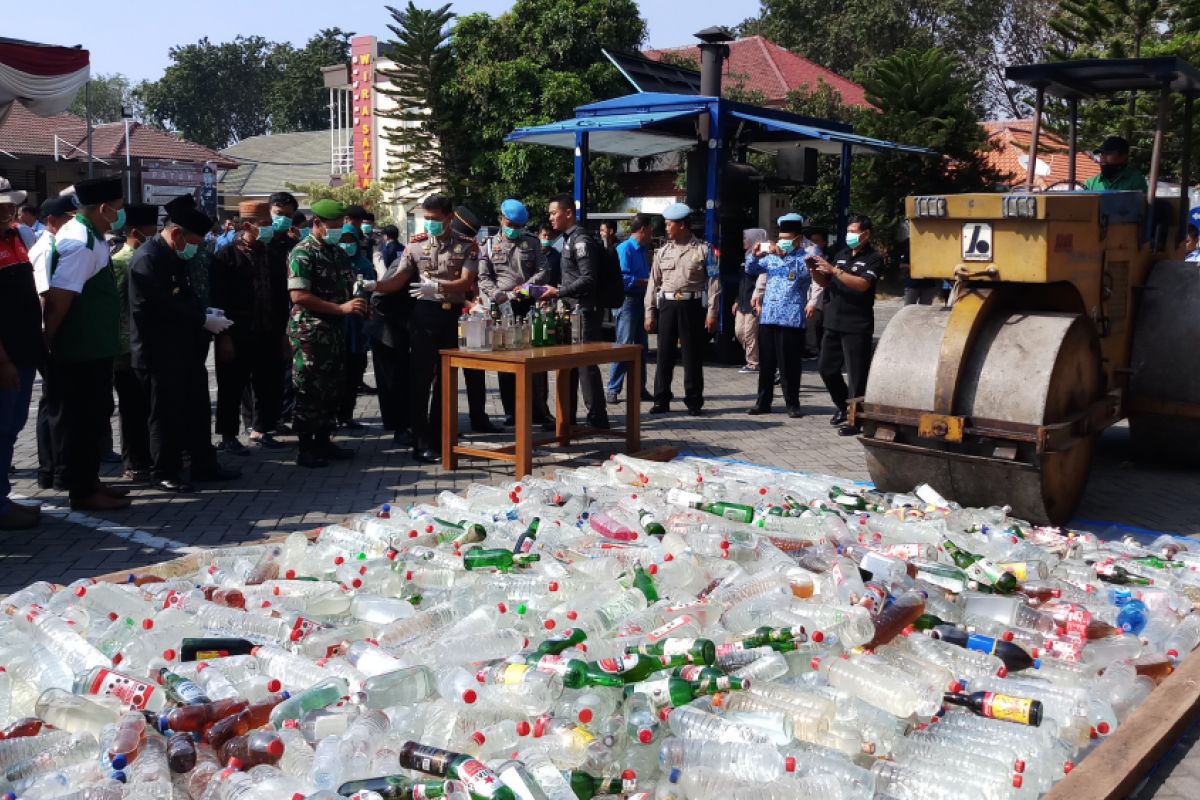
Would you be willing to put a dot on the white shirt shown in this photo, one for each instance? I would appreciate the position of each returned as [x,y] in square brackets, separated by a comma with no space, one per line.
[39,256]
[1193,256]
[77,264]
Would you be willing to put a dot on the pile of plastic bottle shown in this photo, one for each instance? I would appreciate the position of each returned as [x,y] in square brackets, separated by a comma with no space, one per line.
[687,629]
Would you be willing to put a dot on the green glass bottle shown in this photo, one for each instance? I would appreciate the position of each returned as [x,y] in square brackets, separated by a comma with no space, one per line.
[587,786]
[551,328]
[928,622]
[556,644]
[461,532]
[734,512]
[766,636]
[575,674]
[645,584]
[495,558]
[982,570]
[673,691]
[709,680]
[1116,574]
[1155,562]
[630,669]
[539,328]
[847,501]
[481,781]
[527,538]
[649,524]
[394,787]
[179,689]
[678,652]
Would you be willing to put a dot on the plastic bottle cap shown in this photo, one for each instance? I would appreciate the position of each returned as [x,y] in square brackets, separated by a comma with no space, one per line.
[815,663]
[356,583]
[1007,636]
[523,728]
[478,738]
[668,557]
[674,776]
[339,560]
[118,776]
[553,586]
[119,761]
[469,696]
[818,636]
[291,724]
[503,609]
[147,624]
[1002,672]
[956,687]
[274,685]
[429,529]
[290,574]
[169,654]
[80,591]
[234,763]
[548,624]
[1173,653]
[1102,729]
[572,615]
[1017,781]
[1067,767]
[275,748]
[1019,766]
[789,764]
[585,716]
[645,736]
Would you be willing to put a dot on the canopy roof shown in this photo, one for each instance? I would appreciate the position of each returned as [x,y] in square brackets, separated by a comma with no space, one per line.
[1095,77]
[43,77]
[650,123]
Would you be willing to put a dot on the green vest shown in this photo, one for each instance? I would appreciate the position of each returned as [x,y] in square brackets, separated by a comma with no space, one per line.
[90,331]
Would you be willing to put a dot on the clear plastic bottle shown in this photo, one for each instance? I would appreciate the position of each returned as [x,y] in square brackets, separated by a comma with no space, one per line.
[690,722]
[755,763]
[881,685]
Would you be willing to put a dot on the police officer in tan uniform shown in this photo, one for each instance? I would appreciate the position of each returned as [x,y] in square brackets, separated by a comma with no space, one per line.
[441,266]
[510,259]
[684,270]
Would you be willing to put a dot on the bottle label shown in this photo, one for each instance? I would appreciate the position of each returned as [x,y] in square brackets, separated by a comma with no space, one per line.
[985,571]
[423,758]
[554,664]
[729,648]
[615,666]
[903,551]
[479,779]
[1008,708]
[685,607]
[190,693]
[1019,569]
[984,644]
[133,693]
[692,672]
[1077,622]
[303,627]
[658,690]
[836,572]
[173,599]
[513,674]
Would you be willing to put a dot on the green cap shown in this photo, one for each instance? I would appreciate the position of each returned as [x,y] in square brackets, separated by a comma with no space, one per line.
[329,209]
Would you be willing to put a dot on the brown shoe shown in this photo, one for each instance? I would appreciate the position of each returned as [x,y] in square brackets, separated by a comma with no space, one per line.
[20,518]
[99,500]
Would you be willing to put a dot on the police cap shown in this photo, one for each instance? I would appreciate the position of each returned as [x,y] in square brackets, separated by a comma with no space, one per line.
[676,212]
[791,223]
[514,211]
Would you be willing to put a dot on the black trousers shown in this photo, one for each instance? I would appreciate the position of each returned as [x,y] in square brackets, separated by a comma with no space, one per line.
[255,364]
[180,419]
[541,395]
[432,328]
[476,396]
[590,380]
[77,402]
[391,367]
[851,351]
[356,368]
[134,408]
[50,471]
[779,347]
[680,321]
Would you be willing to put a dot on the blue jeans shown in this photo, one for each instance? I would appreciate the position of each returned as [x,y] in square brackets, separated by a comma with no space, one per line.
[14,410]
[631,329]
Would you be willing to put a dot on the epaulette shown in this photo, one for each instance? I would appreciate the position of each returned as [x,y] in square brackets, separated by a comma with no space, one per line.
[417,238]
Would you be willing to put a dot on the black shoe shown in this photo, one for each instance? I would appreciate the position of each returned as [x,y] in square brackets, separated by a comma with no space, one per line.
[267,442]
[403,439]
[173,485]
[427,456]
[838,419]
[510,420]
[310,459]
[484,426]
[352,425]
[600,423]
[659,408]
[611,397]
[795,413]
[233,446]
[215,474]
[757,410]
[546,422]
[696,412]
[647,397]
[283,429]
[364,389]
[848,430]
[111,457]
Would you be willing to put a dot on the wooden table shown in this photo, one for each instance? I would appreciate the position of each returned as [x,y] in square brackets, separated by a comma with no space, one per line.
[524,364]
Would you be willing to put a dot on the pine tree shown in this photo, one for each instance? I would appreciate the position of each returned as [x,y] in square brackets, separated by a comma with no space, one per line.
[422,64]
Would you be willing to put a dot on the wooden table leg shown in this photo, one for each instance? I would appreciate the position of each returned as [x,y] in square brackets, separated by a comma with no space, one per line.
[524,421]
[449,414]
[562,405]
[633,404]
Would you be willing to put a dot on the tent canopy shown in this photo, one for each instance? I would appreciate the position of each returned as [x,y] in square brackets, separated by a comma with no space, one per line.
[43,77]
[1099,77]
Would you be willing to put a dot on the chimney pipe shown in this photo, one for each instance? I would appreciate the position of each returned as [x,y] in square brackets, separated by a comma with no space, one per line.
[713,53]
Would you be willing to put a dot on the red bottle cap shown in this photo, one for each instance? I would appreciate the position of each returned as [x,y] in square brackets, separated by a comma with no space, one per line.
[1019,766]
[585,716]
[1067,767]
[169,655]
[274,685]
[629,775]
[1103,729]
[818,636]
[548,624]
[572,615]
[523,728]
[1017,781]
[275,748]
[478,738]
[469,696]
[234,763]
[789,764]
[645,736]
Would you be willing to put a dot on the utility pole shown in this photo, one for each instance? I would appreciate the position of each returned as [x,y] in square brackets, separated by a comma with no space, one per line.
[127,115]
[87,112]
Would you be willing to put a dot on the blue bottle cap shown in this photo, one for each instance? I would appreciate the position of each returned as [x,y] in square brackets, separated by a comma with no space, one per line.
[285,695]
[1037,663]
[119,776]
[120,761]
[674,776]
[163,727]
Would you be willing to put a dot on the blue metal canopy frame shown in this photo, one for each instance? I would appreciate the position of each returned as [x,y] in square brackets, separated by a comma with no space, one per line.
[652,123]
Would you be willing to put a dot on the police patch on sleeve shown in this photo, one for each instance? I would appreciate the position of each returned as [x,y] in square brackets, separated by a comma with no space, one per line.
[580,249]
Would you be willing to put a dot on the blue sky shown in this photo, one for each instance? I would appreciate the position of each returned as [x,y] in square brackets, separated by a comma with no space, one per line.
[133,37]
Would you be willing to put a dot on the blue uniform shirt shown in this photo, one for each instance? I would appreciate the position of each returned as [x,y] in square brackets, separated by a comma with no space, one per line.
[787,285]
[633,266]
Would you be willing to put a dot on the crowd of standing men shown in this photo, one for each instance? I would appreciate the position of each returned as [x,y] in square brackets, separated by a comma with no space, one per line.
[291,304]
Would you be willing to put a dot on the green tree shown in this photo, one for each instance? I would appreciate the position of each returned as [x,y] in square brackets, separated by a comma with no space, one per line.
[297,99]
[109,94]
[923,99]
[531,65]
[370,199]
[421,55]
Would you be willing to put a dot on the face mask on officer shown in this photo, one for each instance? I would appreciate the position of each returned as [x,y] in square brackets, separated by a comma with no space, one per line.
[1111,171]
[367,228]
[281,223]
[435,227]
[351,248]
[513,233]
[786,246]
[853,239]
[266,233]
[118,221]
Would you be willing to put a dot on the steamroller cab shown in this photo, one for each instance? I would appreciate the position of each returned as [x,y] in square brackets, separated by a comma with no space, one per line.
[1070,310]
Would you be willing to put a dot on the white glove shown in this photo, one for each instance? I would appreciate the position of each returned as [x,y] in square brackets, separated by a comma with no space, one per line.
[369,285]
[426,290]
[479,311]
[216,325]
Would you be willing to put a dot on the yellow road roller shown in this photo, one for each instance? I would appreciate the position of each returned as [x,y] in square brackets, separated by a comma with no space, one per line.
[1070,310]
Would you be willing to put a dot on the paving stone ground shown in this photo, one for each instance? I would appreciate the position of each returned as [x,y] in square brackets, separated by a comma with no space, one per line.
[274,495]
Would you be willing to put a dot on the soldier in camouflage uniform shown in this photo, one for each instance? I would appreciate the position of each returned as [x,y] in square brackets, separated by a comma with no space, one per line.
[321,284]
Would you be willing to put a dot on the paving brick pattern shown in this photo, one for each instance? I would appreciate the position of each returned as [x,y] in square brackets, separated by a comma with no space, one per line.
[274,495]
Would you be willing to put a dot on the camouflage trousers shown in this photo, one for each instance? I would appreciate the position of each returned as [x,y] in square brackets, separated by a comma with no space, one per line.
[318,375]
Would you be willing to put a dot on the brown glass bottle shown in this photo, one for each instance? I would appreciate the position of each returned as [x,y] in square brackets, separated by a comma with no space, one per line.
[893,619]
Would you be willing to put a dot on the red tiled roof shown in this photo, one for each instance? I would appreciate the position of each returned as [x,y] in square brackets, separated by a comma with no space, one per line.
[1008,141]
[24,133]
[772,70]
